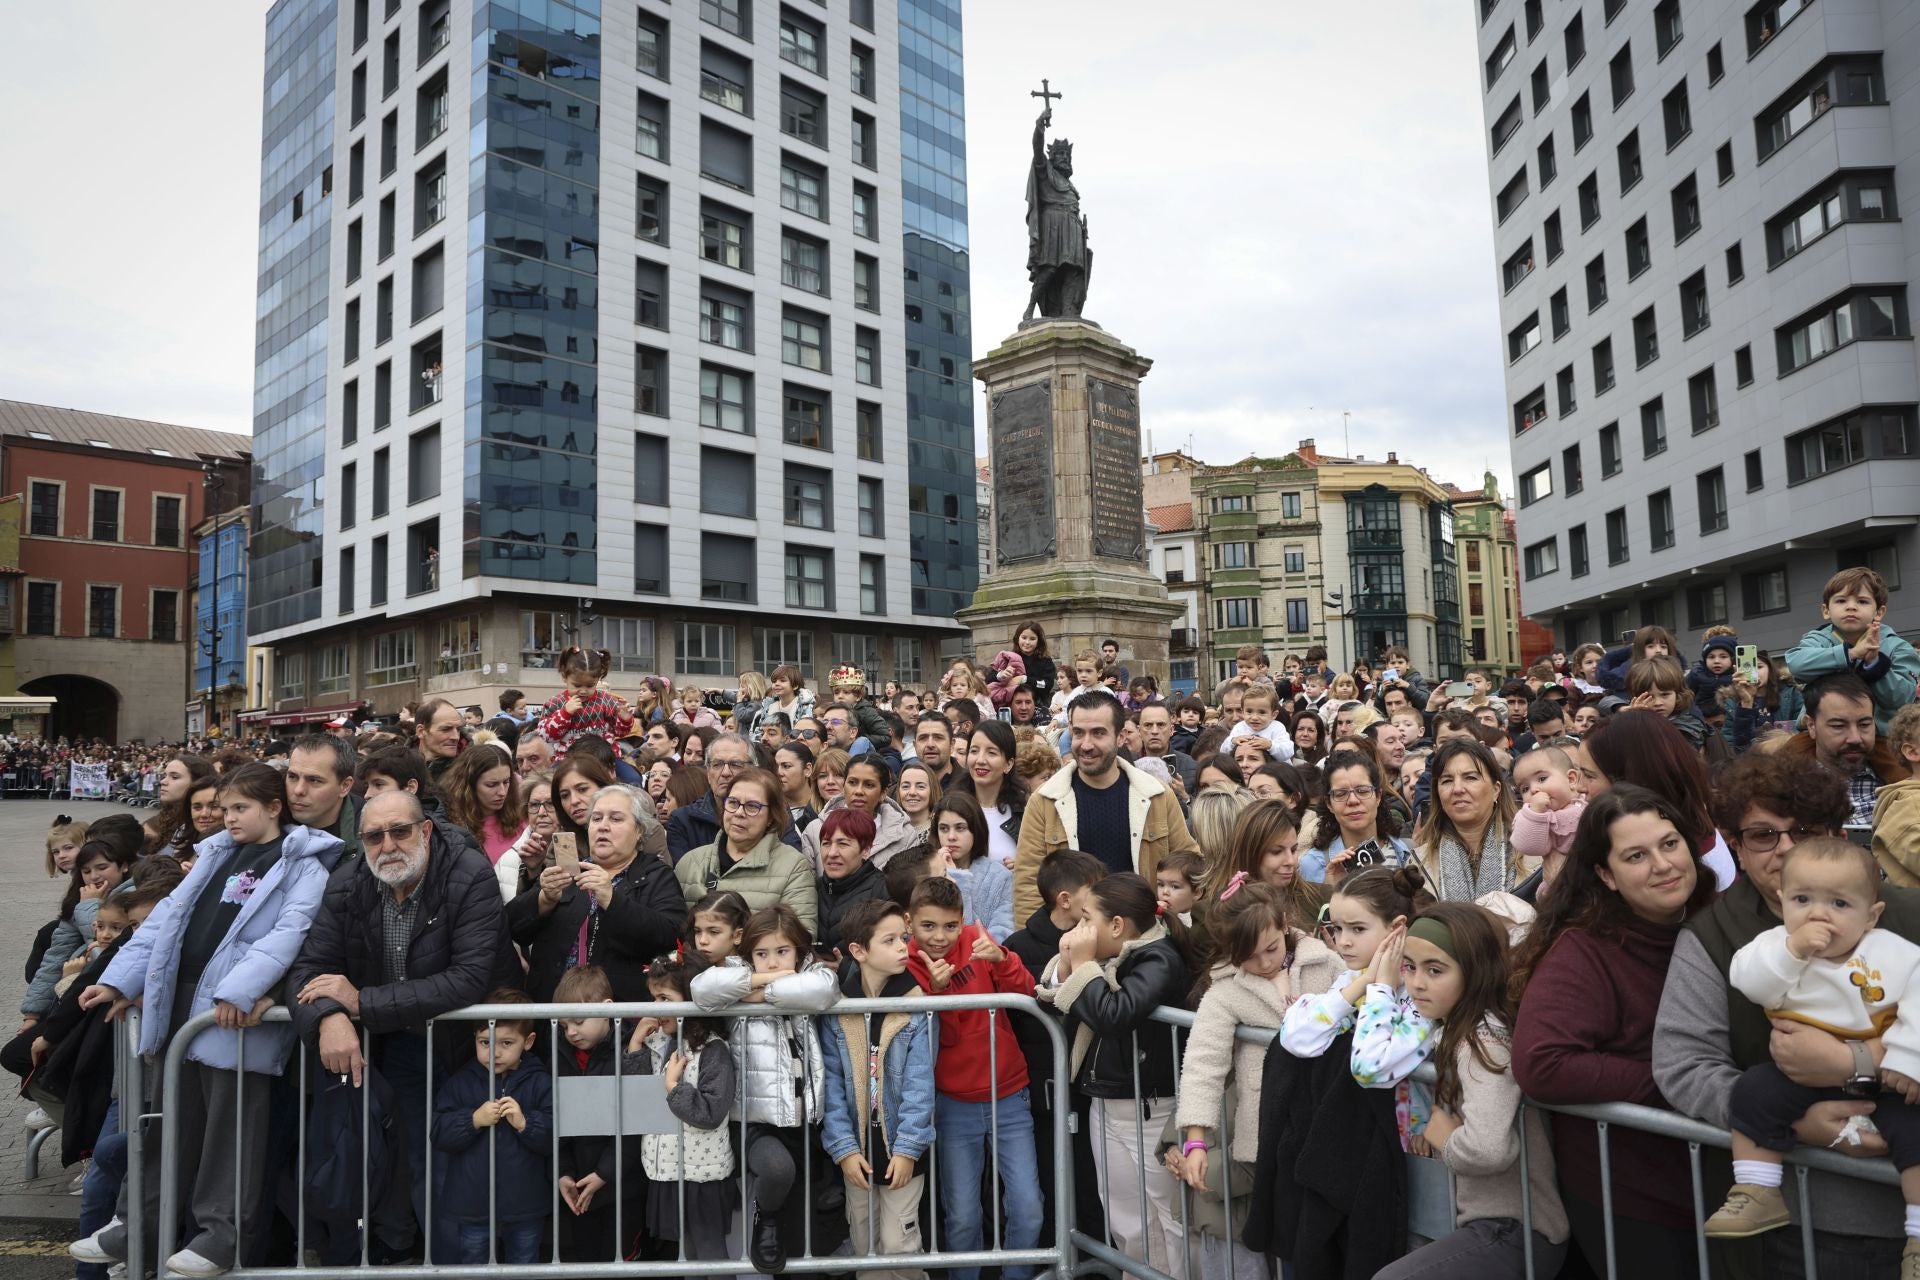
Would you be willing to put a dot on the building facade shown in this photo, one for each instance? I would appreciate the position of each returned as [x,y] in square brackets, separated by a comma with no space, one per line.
[1704,290]
[1483,533]
[98,612]
[1388,547]
[713,256]
[1258,550]
[216,694]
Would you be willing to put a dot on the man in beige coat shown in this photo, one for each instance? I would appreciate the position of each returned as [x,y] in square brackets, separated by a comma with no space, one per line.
[1099,804]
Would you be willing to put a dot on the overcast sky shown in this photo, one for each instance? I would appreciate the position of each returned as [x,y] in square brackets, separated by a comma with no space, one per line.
[1288,206]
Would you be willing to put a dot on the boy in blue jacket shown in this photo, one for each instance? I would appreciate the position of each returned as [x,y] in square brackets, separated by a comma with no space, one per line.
[505,1090]
[878,1121]
[1855,639]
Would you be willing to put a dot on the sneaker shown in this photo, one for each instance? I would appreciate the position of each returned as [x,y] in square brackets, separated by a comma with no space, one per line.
[188,1263]
[118,1271]
[89,1250]
[38,1119]
[1752,1211]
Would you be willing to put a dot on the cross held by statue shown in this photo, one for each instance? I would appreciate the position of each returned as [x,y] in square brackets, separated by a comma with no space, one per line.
[1046,94]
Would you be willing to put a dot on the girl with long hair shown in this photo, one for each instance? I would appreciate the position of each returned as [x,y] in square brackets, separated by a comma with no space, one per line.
[990,774]
[1644,749]
[793,765]
[173,791]
[479,794]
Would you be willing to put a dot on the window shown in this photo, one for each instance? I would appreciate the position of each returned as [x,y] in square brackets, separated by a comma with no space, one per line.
[726,483]
[106,514]
[1508,124]
[1756,472]
[866,211]
[103,612]
[423,465]
[1716,65]
[650,469]
[1736,265]
[1657,611]
[1707,605]
[1571,478]
[801,185]
[1765,20]
[866,431]
[872,513]
[1582,121]
[1628,154]
[1617,536]
[355,245]
[383,395]
[1596,283]
[873,600]
[1518,267]
[43,599]
[1666,26]
[44,517]
[1236,614]
[1878,432]
[809,497]
[650,561]
[726,155]
[1711,488]
[1542,88]
[730,16]
[346,575]
[1531,411]
[290,674]
[1653,428]
[650,381]
[1849,81]
[349,494]
[1763,592]
[860,13]
[650,48]
[429,283]
[1686,209]
[1603,366]
[1536,484]
[1620,74]
[724,316]
[866,355]
[803,113]
[1639,249]
[429,200]
[1694,313]
[1743,366]
[726,236]
[800,41]
[1883,559]
[807,418]
[1502,56]
[1298,621]
[1549,169]
[1577,551]
[1562,322]
[1590,201]
[1660,519]
[650,206]
[809,578]
[1543,558]
[650,127]
[860,67]
[350,345]
[381,470]
[866,282]
[726,568]
[1289,506]
[1233,555]
[726,399]
[1294,559]
[1535,20]
[706,648]
[1576,39]
[803,339]
[775,647]
[164,623]
[1232,503]
[1646,339]
[1878,314]
[1524,338]
[649,294]
[1703,400]
[726,78]
[1723,162]
[1563,391]
[1855,197]
[383,312]
[1512,196]
[1610,450]
[865,140]
[1550,230]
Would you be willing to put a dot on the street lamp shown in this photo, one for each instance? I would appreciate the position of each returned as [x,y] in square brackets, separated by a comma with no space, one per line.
[216,483]
[1336,605]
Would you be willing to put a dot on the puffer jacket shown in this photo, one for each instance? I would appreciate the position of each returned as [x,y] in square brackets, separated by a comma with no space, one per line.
[775,1048]
[768,875]
[894,833]
[801,709]
[1214,1053]
[1106,1005]
[260,946]
[70,937]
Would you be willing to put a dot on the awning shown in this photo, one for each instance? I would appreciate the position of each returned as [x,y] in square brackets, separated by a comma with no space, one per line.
[306,715]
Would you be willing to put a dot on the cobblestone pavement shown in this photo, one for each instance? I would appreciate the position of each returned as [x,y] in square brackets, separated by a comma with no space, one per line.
[28,900]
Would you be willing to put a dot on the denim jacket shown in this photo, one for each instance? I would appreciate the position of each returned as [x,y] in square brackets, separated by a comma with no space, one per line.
[908,1043]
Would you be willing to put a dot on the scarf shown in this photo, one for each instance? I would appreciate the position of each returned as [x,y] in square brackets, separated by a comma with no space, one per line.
[1460,880]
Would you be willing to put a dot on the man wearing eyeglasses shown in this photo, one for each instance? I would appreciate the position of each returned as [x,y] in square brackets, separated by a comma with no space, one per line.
[1707,1033]
[697,824]
[409,931]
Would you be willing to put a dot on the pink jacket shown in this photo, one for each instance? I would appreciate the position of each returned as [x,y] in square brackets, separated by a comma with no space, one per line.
[1008,663]
[701,719]
[1535,835]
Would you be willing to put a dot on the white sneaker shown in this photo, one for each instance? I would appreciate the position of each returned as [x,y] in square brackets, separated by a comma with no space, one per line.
[118,1271]
[188,1263]
[89,1250]
[39,1119]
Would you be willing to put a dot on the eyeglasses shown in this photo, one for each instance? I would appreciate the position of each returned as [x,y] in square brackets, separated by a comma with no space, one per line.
[540,804]
[807,735]
[752,808]
[1352,793]
[1765,839]
[399,833]
[724,766]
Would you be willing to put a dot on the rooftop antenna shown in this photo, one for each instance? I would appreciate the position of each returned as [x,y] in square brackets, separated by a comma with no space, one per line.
[1346,434]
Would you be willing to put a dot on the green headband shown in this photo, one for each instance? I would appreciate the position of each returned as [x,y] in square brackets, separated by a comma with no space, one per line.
[1428,929]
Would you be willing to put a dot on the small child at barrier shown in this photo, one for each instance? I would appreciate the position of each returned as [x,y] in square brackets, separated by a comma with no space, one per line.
[589,1171]
[498,1110]
[689,1174]
[878,1121]
[1123,960]
[1828,966]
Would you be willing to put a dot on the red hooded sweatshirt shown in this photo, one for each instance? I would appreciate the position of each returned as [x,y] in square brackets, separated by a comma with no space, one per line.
[961,1071]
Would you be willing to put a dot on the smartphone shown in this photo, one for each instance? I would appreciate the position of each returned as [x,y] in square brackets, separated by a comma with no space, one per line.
[566,851]
[1368,855]
[1459,689]
[1006,713]
[1746,662]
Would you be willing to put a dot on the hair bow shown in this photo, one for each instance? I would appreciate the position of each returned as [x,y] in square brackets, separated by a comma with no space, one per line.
[1233,885]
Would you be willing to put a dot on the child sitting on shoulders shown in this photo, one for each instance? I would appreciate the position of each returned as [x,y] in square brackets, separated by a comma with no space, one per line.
[1549,786]
[1258,706]
[584,709]
[1855,638]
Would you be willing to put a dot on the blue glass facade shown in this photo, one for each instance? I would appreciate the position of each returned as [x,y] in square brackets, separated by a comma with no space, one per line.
[941,492]
[532,393]
[222,597]
[290,346]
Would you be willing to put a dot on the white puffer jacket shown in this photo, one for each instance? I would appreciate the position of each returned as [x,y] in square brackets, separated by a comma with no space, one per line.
[779,1050]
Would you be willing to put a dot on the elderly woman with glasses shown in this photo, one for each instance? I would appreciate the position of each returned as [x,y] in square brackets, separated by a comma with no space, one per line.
[750,856]
[616,907]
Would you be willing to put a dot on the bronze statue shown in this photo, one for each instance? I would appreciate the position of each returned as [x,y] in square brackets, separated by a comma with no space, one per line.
[1058,259]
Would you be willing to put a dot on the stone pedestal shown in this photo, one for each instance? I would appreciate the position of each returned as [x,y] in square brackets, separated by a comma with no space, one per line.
[1069,543]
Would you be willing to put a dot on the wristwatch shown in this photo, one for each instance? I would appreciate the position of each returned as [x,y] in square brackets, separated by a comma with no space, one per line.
[1865,1080]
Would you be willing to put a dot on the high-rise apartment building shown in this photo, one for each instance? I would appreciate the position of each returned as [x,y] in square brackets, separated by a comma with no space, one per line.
[711,254]
[1711,376]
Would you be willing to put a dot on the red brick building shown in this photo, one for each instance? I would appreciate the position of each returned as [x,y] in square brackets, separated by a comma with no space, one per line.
[100,601]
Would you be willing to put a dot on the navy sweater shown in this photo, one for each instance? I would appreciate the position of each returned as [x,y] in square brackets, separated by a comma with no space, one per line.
[522,1181]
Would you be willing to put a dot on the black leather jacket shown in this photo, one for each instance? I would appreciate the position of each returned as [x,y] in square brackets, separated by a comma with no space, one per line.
[1150,976]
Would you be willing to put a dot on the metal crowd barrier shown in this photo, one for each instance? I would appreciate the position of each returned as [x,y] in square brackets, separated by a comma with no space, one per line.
[1053,1258]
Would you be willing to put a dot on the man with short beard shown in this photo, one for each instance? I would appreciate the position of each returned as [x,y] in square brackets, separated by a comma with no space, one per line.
[411,930]
[1842,736]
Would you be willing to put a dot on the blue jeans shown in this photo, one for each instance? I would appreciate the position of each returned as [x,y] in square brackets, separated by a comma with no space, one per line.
[100,1191]
[963,1129]
[519,1241]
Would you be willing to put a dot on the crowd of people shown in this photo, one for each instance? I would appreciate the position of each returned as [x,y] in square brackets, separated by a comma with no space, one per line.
[1613,879]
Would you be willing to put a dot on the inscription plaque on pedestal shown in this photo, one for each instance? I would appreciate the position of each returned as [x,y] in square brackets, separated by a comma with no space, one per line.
[1022,421]
[1113,428]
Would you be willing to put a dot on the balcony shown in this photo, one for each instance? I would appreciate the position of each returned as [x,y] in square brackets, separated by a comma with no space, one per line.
[1377,603]
[1364,539]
